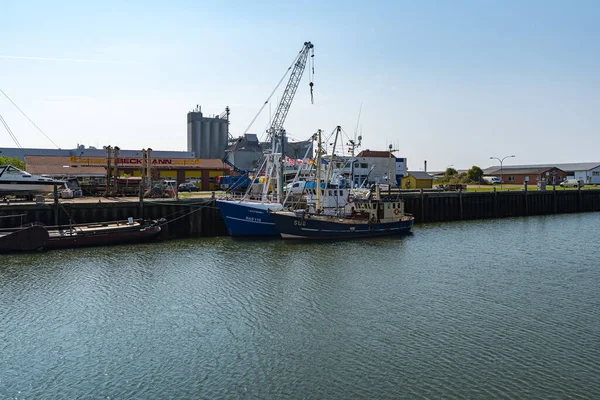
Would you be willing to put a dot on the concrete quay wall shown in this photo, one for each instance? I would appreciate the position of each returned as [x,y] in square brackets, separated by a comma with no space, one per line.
[201,217]
[456,206]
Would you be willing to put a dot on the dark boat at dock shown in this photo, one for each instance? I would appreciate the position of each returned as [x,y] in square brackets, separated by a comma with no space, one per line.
[368,217]
[38,237]
[23,239]
[102,234]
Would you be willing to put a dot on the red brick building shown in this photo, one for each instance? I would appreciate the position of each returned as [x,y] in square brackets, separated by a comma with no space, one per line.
[533,175]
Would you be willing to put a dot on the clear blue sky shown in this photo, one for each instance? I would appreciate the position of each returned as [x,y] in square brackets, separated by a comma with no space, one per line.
[451,82]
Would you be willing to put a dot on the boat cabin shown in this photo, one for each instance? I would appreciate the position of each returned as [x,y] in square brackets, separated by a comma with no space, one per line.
[377,210]
[331,198]
[8,172]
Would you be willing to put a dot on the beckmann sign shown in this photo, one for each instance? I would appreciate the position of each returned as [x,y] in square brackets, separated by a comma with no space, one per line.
[130,161]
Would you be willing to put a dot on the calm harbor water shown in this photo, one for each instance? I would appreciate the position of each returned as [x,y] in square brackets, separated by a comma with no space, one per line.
[484,309]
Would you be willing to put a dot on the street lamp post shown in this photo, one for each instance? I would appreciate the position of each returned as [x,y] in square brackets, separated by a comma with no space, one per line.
[501,172]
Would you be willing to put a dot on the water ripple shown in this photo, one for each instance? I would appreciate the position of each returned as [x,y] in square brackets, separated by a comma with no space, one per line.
[486,309]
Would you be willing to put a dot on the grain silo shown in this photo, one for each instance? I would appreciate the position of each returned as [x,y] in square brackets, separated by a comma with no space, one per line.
[207,136]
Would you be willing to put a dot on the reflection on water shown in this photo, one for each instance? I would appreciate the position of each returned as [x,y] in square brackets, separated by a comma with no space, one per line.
[486,309]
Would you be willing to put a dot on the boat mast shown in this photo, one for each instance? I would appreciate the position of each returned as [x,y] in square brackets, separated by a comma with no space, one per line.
[280,168]
[353,143]
[318,200]
[337,132]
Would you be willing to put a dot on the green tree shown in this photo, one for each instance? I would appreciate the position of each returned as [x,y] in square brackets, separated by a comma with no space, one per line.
[450,172]
[14,161]
[475,174]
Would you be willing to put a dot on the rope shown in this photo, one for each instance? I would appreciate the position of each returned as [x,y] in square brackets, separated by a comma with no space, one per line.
[185,215]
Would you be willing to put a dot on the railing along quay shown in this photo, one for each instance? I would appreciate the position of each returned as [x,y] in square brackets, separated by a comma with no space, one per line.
[201,217]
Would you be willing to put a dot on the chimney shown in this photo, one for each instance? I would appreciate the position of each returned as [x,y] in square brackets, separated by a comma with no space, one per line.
[425,166]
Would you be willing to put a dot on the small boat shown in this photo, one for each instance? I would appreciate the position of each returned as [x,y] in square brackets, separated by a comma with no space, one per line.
[102,234]
[367,217]
[23,239]
[13,181]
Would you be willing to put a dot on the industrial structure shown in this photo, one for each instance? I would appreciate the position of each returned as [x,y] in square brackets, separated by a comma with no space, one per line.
[244,153]
[91,163]
[207,137]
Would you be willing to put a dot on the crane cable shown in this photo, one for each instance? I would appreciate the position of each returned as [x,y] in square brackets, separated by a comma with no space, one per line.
[14,138]
[29,119]
[273,92]
[311,75]
[10,132]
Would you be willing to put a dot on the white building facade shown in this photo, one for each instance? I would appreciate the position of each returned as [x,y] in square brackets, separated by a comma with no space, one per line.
[587,176]
[374,167]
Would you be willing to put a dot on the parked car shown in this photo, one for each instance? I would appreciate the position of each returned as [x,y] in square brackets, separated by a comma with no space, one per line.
[571,183]
[188,187]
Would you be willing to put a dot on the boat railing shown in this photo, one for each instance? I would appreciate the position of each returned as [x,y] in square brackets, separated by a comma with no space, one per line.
[244,197]
[21,216]
[93,224]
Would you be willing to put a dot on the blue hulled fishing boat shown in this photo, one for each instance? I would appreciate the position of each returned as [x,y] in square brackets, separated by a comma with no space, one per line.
[250,216]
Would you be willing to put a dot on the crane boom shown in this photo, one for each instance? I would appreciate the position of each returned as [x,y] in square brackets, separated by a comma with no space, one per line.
[290,90]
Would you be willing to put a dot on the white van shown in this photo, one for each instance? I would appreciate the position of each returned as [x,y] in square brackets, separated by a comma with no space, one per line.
[295,187]
[571,183]
[492,179]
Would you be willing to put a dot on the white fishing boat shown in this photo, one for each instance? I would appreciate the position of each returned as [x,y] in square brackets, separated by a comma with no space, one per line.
[13,181]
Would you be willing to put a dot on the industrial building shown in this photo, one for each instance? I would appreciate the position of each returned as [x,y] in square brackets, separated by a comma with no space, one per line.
[83,162]
[246,151]
[207,137]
